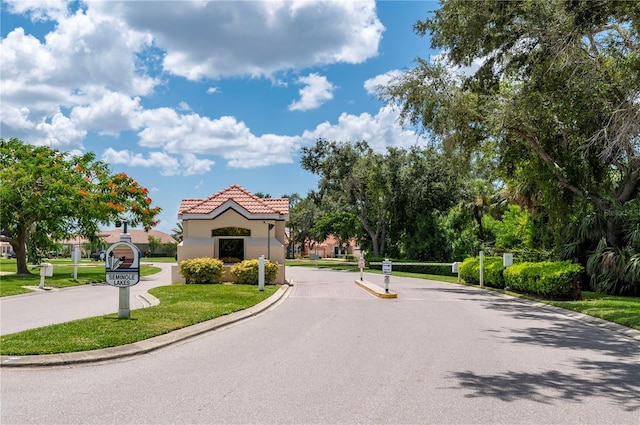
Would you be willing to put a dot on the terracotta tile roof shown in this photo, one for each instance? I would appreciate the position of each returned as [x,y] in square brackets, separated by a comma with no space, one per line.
[240,196]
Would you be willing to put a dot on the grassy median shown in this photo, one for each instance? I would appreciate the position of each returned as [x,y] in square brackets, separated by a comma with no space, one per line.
[180,306]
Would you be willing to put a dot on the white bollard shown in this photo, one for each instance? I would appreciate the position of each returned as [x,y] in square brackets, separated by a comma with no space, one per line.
[261,273]
[481,268]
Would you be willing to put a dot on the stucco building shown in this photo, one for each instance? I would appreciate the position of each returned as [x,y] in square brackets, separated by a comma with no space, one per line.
[233,223]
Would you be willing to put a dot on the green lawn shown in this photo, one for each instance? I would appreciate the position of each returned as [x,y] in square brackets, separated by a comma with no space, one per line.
[91,272]
[180,306]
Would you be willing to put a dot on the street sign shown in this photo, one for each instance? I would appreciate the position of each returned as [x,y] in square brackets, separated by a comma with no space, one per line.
[361,263]
[386,267]
[122,265]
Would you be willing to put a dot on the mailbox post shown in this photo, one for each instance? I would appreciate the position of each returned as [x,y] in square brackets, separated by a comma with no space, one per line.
[46,270]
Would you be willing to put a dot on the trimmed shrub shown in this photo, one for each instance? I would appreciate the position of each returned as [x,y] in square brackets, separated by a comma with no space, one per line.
[469,270]
[493,268]
[398,266]
[201,270]
[554,280]
[246,272]
[230,260]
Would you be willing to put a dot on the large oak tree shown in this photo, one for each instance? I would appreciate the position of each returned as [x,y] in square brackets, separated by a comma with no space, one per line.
[556,100]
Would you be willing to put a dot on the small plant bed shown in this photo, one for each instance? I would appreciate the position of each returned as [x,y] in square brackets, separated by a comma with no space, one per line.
[180,306]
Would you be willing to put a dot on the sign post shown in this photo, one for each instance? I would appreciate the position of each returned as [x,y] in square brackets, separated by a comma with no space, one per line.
[75,259]
[386,271]
[122,268]
[361,266]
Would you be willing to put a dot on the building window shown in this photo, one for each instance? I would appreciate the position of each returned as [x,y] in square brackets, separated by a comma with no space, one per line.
[231,248]
[230,231]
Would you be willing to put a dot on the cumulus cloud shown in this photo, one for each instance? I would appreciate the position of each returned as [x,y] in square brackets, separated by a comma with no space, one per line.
[371,85]
[168,165]
[237,38]
[379,131]
[87,61]
[225,137]
[316,91]
[212,90]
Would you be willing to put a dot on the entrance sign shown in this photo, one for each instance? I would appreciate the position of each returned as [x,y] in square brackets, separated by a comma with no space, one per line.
[122,264]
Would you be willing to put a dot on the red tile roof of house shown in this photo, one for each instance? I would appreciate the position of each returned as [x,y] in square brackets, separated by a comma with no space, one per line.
[240,196]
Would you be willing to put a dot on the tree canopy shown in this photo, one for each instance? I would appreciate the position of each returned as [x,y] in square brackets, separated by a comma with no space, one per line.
[387,201]
[555,102]
[50,195]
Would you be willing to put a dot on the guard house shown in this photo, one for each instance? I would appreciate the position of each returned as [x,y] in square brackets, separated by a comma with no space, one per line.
[233,224]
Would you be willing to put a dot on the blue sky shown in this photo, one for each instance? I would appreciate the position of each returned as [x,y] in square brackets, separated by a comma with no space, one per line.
[189,97]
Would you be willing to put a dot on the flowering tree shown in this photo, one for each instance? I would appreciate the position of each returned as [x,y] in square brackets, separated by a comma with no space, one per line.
[46,194]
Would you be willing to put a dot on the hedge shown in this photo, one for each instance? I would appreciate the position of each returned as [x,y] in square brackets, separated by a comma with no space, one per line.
[399,267]
[246,272]
[202,270]
[493,268]
[554,280]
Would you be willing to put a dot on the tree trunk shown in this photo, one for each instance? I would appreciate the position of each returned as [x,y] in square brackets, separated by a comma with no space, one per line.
[20,247]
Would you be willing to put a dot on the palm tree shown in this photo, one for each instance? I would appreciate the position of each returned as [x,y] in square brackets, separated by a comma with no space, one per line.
[177,232]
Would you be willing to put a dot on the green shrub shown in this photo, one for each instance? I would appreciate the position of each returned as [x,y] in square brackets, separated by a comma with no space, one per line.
[246,272]
[201,270]
[554,280]
[492,276]
[230,260]
[398,266]
[469,270]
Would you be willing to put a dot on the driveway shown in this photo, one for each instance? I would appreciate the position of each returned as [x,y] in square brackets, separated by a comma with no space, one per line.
[333,353]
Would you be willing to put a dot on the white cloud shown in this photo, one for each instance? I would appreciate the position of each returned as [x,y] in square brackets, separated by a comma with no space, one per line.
[225,137]
[379,131]
[238,38]
[184,106]
[466,71]
[194,165]
[168,165]
[212,90]
[86,62]
[317,90]
[371,85]
[41,10]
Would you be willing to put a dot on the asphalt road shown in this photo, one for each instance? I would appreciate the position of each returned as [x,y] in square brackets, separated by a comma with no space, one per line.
[333,353]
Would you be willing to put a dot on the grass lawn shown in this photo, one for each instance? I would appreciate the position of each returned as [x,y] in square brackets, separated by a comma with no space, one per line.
[92,272]
[621,310]
[180,306]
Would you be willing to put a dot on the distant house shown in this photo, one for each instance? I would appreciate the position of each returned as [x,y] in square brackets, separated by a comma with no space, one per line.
[330,248]
[139,237]
[233,224]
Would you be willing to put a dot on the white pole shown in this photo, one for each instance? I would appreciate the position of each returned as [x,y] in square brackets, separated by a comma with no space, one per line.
[481,268]
[41,277]
[261,273]
[124,310]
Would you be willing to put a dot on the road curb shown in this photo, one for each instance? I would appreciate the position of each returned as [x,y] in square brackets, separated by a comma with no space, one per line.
[146,346]
[375,289]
